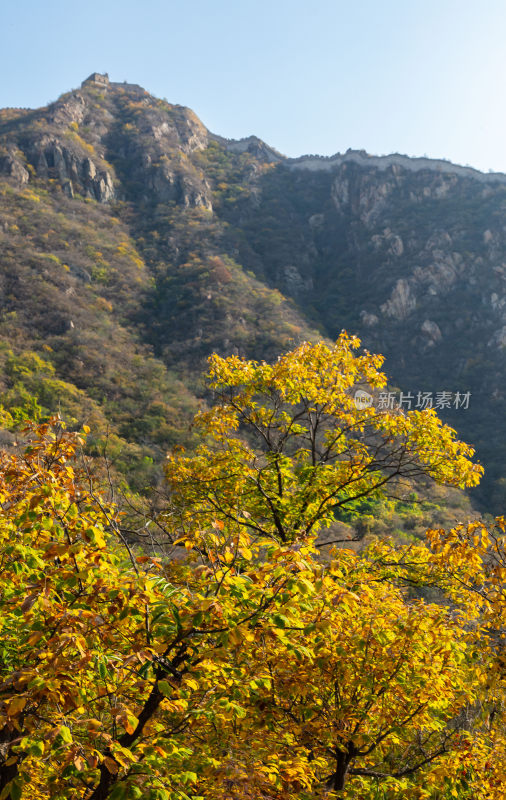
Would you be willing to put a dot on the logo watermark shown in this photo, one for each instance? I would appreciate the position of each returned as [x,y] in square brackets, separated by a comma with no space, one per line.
[363,399]
[409,401]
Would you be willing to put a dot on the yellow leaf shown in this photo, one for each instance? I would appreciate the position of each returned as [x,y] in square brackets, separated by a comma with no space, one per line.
[16,706]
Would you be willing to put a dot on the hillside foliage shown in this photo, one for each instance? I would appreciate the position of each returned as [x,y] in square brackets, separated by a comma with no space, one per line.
[226,654]
[134,243]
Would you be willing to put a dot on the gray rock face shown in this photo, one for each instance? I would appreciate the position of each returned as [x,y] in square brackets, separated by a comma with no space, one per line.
[340,193]
[255,146]
[366,201]
[402,301]
[431,331]
[74,170]
[316,220]
[392,242]
[103,188]
[438,276]
[369,320]
[89,169]
[294,282]
[187,189]
[68,111]
[499,338]
[372,200]
[396,245]
[13,167]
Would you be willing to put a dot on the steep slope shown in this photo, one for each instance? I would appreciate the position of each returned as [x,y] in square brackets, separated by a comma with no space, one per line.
[135,242]
[109,248]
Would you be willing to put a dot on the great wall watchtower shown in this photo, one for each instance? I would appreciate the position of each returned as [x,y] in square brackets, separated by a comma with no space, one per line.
[97,79]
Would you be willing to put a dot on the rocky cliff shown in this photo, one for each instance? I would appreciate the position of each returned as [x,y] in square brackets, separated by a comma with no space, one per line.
[188,242]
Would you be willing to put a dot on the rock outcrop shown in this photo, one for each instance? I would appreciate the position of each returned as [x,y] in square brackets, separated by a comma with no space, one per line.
[73,168]
[85,133]
[402,301]
[13,167]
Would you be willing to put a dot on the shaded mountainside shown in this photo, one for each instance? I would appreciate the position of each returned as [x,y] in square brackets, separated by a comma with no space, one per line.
[134,243]
[415,263]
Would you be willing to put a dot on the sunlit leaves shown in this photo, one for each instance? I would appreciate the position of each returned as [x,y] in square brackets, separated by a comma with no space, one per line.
[288,447]
[250,665]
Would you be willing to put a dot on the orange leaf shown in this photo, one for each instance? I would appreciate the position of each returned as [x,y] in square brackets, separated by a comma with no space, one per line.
[111,765]
[79,763]
[35,637]
[28,602]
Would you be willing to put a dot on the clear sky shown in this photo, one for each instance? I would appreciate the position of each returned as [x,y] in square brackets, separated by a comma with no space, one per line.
[319,76]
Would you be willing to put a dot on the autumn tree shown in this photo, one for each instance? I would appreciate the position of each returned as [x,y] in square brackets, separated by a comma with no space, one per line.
[114,666]
[369,694]
[287,446]
[357,686]
[248,666]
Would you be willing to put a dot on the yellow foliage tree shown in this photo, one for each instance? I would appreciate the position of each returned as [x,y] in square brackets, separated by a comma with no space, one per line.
[250,667]
[289,446]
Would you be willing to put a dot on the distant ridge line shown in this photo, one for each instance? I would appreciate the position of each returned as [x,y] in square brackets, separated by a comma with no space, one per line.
[312,163]
[317,163]
[413,164]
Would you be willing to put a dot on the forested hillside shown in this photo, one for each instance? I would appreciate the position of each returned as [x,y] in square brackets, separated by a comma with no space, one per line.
[232,568]
[223,654]
[135,243]
[113,274]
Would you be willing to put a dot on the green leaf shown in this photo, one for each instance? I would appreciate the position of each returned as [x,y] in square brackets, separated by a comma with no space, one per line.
[16,790]
[119,792]
[36,749]
[65,735]
[165,688]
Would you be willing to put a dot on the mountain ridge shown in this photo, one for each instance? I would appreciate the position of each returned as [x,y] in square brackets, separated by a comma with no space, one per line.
[139,224]
[254,144]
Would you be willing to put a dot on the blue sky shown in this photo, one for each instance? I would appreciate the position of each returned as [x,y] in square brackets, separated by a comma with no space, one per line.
[416,77]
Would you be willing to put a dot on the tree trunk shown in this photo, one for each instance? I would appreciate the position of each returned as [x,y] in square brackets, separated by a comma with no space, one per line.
[10,771]
[338,779]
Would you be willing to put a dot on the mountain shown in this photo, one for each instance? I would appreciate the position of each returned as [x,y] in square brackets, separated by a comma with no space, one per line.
[135,242]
